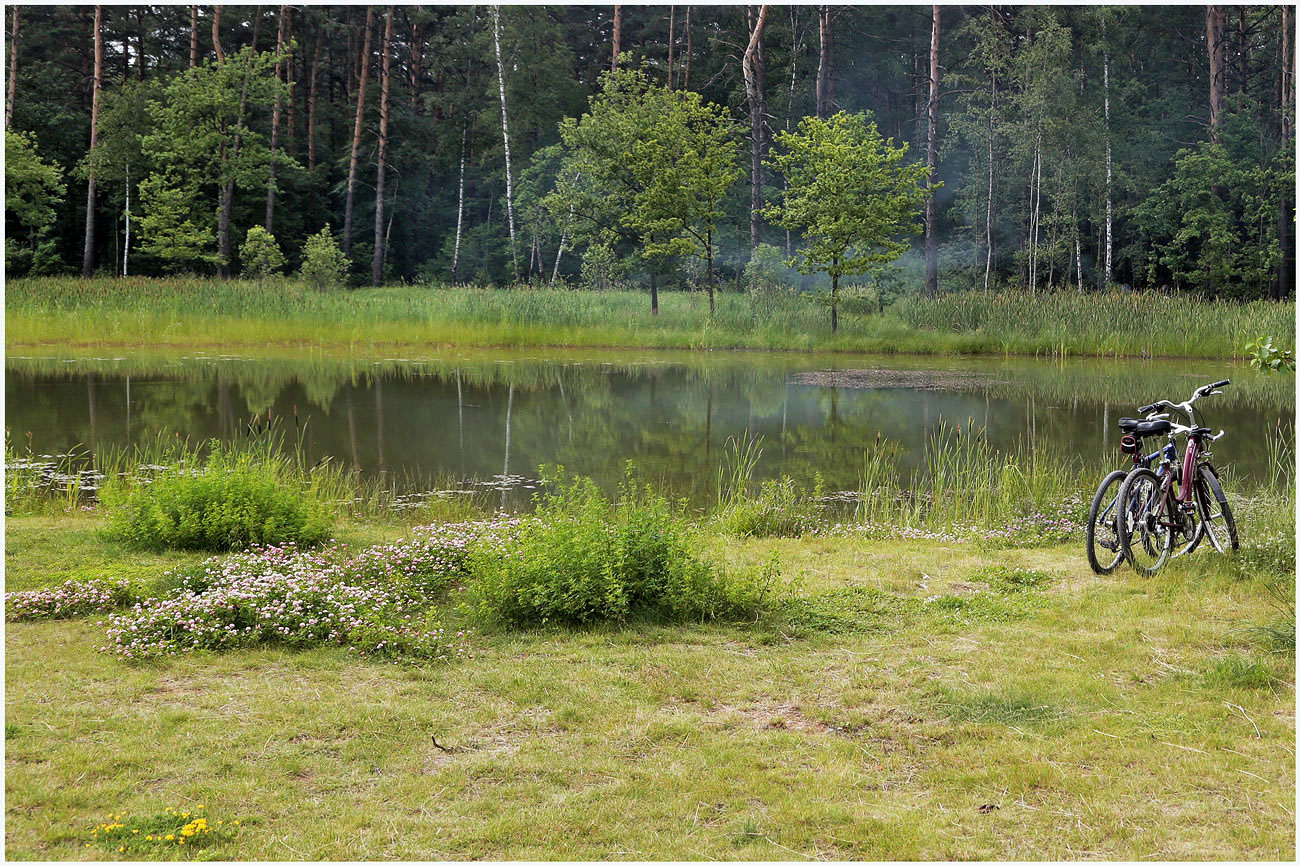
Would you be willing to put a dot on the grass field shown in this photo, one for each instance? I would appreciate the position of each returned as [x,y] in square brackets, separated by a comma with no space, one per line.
[138,313]
[1074,716]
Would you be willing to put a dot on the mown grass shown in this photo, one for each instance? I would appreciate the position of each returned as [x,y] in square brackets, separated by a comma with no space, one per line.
[193,312]
[1109,717]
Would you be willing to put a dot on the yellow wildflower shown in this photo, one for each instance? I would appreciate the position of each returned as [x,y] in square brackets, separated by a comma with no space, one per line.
[171,836]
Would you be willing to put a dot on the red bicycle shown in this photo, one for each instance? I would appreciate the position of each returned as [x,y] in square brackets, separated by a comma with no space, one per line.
[1179,503]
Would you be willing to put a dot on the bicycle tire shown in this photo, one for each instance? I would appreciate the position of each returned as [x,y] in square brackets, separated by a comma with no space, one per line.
[1209,489]
[1146,541]
[1105,535]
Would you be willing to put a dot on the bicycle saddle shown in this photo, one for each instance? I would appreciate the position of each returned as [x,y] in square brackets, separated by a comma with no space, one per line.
[1140,428]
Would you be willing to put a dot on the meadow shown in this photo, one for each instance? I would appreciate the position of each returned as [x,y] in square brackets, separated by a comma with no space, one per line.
[234,315]
[924,681]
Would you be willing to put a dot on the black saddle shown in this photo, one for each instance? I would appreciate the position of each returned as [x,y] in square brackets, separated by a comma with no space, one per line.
[1141,429]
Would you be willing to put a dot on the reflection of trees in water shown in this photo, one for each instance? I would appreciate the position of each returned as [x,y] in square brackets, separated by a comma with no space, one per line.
[670,417]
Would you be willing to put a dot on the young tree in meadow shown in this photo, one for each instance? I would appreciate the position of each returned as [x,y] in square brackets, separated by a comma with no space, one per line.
[260,255]
[850,194]
[324,265]
[651,165]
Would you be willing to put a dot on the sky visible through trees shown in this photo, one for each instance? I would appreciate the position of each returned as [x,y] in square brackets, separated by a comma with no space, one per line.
[1072,147]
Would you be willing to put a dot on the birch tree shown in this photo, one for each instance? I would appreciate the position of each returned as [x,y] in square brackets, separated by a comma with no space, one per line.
[88,250]
[377,266]
[505,139]
[356,134]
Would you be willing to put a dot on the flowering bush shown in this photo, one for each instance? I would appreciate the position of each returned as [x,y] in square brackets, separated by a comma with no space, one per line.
[375,602]
[72,598]
[153,835]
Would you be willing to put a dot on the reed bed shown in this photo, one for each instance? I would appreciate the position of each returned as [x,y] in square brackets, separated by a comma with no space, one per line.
[198,312]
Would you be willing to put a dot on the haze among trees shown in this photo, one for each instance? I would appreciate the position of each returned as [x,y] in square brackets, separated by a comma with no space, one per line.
[659,146]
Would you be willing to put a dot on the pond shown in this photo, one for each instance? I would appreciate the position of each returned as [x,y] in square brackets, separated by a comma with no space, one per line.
[491,419]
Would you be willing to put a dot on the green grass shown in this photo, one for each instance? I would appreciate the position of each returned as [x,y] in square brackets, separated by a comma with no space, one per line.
[196,313]
[1116,718]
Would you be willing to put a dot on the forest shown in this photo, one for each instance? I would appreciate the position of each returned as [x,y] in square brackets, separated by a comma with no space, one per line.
[1032,148]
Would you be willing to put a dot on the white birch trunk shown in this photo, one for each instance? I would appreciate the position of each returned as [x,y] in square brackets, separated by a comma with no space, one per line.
[126,247]
[505,138]
[460,206]
[1105,79]
[988,215]
[1078,257]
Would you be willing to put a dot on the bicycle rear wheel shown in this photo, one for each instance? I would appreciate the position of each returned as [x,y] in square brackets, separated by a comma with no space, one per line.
[1216,514]
[1102,540]
[1144,535]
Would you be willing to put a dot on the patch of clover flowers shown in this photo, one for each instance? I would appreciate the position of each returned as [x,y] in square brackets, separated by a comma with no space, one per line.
[375,601]
[172,832]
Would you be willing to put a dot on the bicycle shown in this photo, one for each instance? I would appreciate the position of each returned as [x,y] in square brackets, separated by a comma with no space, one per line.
[1179,502]
[1102,531]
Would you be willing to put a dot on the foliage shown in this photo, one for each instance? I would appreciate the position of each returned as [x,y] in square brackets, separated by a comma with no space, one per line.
[650,165]
[781,508]
[260,254]
[169,227]
[34,189]
[232,501]
[582,559]
[71,598]
[1267,358]
[324,266]
[765,272]
[849,192]
[1212,226]
[600,269]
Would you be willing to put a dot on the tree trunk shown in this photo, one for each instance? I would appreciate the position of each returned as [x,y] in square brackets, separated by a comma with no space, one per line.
[216,34]
[1105,81]
[1285,283]
[290,77]
[126,247]
[311,100]
[275,121]
[825,59]
[672,36]
[460,208]
[415,68]
[931,154]
[988,213]
[1214,44]
[505,138]
[13,71]
[139,43]
[835,294]
[356,134]
[88,252]
[654,293]
[618,34]
[377,267]
[709,253]
[194,36]
[686,73]
[755,73]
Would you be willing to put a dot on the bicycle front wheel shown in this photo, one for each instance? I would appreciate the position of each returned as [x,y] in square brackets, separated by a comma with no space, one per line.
[1144,534]
[1216,514]
[1102,543]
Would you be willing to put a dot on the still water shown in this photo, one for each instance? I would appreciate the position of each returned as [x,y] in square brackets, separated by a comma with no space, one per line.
[492,419]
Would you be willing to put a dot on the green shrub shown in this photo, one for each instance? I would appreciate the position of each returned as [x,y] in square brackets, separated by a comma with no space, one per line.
[583,559]
[323,264]
[231,502]
[781,509]
[260,254]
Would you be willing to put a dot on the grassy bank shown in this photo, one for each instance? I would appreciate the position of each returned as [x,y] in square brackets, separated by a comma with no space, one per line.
[1062,716]
[200,313]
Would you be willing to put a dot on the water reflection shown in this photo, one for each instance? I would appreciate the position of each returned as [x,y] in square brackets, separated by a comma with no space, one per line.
[495,419]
